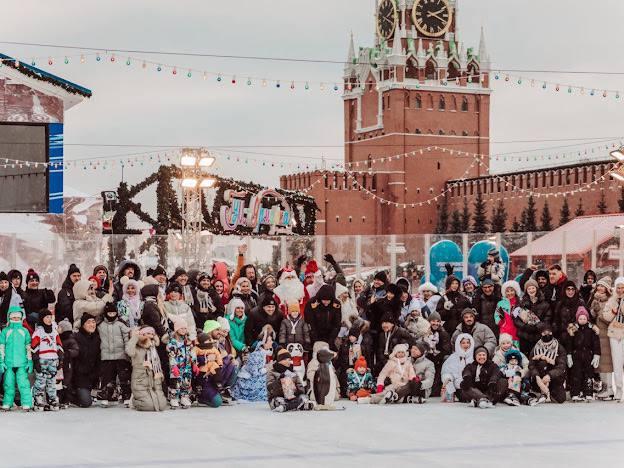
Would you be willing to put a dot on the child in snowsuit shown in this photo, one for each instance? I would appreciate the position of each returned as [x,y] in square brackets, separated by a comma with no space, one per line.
[251,380]
[114,336]
[15,359]
[182,365]
[415,323]
[47,353]
[284,387]
[517,387]
[583,348]
[360,383]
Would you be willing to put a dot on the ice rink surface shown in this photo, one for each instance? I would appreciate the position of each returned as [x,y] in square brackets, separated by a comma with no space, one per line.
[433,434]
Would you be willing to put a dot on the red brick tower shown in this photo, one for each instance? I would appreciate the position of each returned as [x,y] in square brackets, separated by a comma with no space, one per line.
[416,88]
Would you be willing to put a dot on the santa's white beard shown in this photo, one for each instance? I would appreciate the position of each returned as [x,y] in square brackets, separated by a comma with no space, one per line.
[290,290]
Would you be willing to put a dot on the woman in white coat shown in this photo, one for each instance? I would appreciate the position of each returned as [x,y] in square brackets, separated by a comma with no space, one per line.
[613,314]
[453,367]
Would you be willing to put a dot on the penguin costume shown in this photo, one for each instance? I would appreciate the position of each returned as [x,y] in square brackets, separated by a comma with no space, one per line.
[325,382]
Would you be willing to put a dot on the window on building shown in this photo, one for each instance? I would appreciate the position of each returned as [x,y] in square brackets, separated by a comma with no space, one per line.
[442,103]
[439,165]
[584,175]
[453,71]
[429,102]
[418,102]
[407,101]
[453,104]
[559,178]
[374,183]
[441,132]
[417,131]
[464,133]
[567,177]
[464,105]
[430,70]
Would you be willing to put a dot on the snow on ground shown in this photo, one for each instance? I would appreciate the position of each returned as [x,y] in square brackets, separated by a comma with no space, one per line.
[246,435]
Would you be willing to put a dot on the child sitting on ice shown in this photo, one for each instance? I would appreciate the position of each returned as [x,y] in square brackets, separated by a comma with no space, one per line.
[403,381]
[251,381]
[512,370]
[284,387]
[360,382]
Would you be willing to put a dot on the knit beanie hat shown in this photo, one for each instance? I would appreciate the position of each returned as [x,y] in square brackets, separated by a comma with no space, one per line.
[360,362]
[470,279]
[110,307]
[85,317]
[487,282]
[387,318]
[158,271]
[211,325]
[505,338]
[16,310]
[31,275]
[544,326]
[604,281]
[434,316]
[64,326]
[43,313]
[174,287]
[422,347]
[72,269]
[354,331]
[582,311]
[179,322]
[282,354]
[99,268]
[469,310]
[144,330]
[96,280]
[381,276]
[3,276]
[268,300]
[224,323]
[530,282]
[480,349]
[513,354]
[541,274]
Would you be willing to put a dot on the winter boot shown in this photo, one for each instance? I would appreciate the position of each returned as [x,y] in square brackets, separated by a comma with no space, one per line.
[618,394]
[484,403]
[174,403]
[185,401]
[577,398]
[389,397]
[40,403]
[54,405]
[306,405]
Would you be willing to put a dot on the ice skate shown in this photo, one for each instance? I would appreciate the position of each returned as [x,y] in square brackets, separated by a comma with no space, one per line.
[606,394]
[484,403]
[363,400]
[618,394]
[40,403]
[577,398]
[174,403]
[512,400]
[389,397]
[589,398]
[185,401]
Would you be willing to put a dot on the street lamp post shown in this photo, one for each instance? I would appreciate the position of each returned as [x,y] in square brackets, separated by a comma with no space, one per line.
[194,162]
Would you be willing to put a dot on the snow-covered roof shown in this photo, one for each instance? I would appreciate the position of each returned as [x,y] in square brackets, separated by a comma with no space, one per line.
[579,236]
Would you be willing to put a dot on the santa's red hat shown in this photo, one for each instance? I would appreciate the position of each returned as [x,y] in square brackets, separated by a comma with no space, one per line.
[311,268]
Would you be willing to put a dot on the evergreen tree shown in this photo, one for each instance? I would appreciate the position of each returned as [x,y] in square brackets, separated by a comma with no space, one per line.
[515,225]
[443,217]
[499,217]
[456,222]
[621,200]
[465,217]
[579,209]
[523,221]
[530,224]
[564,216]
[602,204]
[480,222]
[546,218]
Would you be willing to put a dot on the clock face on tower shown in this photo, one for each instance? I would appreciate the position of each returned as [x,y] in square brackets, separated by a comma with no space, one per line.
[432,17]
[387,18]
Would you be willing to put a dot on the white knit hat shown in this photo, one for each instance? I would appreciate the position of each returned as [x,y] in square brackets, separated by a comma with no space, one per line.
[512,284]
[427,287]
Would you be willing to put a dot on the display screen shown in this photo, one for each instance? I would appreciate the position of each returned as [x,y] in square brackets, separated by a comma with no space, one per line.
[23,189]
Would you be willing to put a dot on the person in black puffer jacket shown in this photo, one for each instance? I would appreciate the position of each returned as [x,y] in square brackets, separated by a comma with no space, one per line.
[565,311]
[535,310]
[265,314]
[35,298]
[482,380]
[485,304]
[391,335]
[6,294]
[324,315]
[64,308]
[451,305]
[87,363]
[207,304]
[588,286]
[70,353]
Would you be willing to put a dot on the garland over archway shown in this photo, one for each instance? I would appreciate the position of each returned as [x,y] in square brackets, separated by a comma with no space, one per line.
[168,215]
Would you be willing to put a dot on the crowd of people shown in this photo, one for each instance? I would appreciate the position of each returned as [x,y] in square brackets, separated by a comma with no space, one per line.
[302,338]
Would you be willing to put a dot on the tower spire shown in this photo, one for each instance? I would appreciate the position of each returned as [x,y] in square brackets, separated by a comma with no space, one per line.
[484,57]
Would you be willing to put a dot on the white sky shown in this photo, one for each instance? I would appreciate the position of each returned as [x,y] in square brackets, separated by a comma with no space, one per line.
[134,106]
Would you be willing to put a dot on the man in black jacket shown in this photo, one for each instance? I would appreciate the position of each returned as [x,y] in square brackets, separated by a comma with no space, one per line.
[439,342]
[485,305]
[64,308]
[264,314]
[35,298]
[324,315]
[390,336]
[482,381]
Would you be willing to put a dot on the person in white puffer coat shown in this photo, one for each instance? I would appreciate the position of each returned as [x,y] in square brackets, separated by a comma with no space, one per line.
[613,314]
[175,307]
[453,367]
